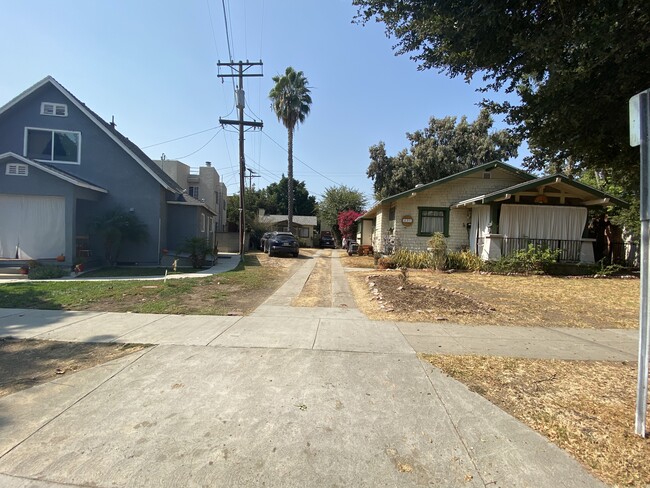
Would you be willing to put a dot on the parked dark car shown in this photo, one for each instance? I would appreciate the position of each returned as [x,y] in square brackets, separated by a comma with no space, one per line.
[282,243]
[326,240]
[265,237]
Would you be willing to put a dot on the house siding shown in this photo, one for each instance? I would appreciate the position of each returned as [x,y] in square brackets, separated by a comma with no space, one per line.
[103,162]
[441,196]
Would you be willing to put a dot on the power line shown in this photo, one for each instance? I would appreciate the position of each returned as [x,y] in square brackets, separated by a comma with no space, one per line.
[193,153]
[298,159]
[225,21]
[214,35]
[181,137]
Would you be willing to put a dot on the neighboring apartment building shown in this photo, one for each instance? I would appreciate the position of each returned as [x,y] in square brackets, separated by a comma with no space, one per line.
[203,184]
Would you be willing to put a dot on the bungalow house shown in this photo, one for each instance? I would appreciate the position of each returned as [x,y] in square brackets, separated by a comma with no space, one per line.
[492,209]
[303,225]
[62,167]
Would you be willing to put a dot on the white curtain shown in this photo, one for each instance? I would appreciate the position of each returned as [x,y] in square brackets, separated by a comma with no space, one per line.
[542,222]
[31,227]
[479,226]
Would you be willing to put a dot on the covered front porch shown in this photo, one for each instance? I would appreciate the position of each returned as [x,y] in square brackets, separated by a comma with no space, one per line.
[548,213]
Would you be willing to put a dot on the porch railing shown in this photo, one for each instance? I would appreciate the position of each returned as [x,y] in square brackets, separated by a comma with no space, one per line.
[570,250]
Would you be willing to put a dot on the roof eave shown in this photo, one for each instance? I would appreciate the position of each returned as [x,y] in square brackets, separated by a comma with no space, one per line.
[91,116]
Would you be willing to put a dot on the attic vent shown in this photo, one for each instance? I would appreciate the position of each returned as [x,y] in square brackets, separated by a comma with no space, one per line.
[54,109]
[487,175]
[15,169]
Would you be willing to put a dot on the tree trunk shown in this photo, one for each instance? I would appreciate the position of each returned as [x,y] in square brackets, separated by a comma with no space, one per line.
[290,183]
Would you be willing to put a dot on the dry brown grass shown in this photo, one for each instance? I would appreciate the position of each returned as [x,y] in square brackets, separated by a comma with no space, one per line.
[354,261]
[585,407]
[542,301]
[317,291]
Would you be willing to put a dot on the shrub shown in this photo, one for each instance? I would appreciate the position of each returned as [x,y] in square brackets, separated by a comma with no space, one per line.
[197,248]
[403,258]
[534,260]
[438,249]
[47,272]
[386,262]
[464,260]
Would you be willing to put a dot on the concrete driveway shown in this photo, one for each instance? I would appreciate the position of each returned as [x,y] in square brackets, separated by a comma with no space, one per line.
[285,397]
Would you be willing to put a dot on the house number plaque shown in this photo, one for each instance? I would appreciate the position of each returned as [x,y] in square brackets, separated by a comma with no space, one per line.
[407,221]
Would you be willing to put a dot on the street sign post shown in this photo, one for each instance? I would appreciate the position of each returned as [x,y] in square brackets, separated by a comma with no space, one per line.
[640,136]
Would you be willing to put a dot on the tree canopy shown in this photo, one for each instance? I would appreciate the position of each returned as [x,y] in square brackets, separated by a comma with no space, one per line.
[336,200]
[574,65]
[445,147]
[273,199]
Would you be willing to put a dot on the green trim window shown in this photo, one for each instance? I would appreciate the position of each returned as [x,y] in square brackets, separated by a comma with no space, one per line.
[432,220]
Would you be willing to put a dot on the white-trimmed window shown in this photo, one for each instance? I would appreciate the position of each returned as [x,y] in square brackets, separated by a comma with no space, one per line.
[54,109]
[193,191]
[57,146]
[202,222]
[17,169]
[303,232]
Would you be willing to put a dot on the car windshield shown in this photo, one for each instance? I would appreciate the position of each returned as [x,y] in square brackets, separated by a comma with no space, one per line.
[284,237]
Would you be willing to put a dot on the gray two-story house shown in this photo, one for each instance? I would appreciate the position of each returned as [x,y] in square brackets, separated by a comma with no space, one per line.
[62,167]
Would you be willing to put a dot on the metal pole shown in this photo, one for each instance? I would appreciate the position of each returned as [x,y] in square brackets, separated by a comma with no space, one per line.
[639,108]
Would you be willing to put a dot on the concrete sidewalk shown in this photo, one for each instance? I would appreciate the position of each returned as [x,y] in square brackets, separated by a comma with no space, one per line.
[284,397]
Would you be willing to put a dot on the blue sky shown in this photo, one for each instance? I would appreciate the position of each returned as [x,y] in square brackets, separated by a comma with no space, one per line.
[152,65]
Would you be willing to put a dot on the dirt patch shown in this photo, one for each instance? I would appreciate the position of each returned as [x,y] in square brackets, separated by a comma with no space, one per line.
[585,407]
[317,291]
[27,362]
[394,292]
[540,301]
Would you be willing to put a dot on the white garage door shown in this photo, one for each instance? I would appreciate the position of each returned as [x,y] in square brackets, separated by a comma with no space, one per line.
[31,227]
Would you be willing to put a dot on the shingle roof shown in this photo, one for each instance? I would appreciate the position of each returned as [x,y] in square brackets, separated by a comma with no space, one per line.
[483,167]
[545,181]
[297,219]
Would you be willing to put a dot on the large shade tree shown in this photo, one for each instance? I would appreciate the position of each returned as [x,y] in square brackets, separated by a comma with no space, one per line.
[445,147]
[291,102]
[573,65]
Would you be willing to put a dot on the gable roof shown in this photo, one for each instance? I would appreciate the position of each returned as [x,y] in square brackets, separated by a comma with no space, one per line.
[129,147]
[476,169]
[54,172]
[602,198]
[297,219]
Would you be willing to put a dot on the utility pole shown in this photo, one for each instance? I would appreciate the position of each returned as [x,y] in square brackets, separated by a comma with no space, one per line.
[251,175]
[239,70]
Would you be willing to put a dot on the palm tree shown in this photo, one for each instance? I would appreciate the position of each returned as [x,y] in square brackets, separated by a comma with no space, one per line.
[290,101]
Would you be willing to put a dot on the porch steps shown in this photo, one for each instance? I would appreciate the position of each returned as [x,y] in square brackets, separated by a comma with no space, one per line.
[11,273]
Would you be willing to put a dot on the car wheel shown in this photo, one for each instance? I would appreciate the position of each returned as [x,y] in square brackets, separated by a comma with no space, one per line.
[295,254]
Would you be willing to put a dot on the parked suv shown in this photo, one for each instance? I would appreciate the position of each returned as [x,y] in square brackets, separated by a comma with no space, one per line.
[282,243]
[326,240]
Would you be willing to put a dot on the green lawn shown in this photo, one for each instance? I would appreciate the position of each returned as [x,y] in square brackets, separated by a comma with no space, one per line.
[239,290]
